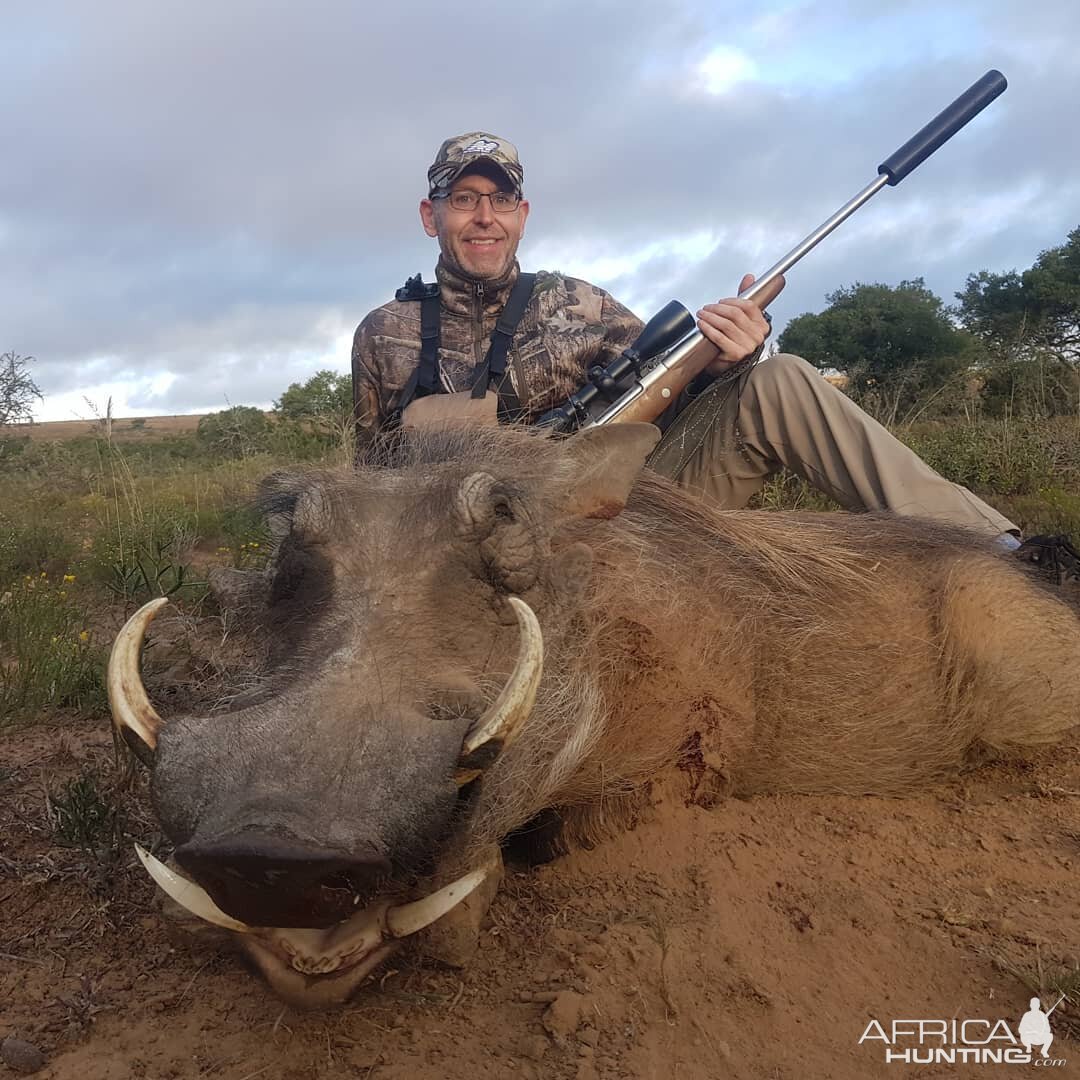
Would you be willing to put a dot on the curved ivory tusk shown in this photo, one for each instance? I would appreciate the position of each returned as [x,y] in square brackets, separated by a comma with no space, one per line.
[409,918]
[510,709]
[131,708]
[187,894]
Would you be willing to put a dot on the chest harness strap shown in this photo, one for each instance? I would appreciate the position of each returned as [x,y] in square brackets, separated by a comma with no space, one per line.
[492,371]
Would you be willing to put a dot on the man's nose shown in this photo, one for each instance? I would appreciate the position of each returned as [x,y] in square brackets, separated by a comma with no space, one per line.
[483,214]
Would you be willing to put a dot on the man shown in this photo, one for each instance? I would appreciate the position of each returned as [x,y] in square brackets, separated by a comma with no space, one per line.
[1035,1028]
[736,425]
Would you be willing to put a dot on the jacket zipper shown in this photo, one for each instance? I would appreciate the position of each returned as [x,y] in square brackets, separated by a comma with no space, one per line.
[478,331]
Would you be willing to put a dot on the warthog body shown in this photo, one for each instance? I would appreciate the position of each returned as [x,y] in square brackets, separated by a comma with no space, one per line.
[834,652]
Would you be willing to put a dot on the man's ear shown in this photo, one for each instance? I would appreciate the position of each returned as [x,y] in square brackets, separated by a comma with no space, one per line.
[523,210]
[610,457]
[427,217]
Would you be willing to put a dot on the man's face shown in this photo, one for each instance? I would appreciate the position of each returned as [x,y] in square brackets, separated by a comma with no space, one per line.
[481,243]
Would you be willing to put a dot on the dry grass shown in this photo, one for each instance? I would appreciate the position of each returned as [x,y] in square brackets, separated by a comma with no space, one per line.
[125,429]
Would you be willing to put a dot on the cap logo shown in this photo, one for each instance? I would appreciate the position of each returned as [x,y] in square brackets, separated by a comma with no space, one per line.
[481,146]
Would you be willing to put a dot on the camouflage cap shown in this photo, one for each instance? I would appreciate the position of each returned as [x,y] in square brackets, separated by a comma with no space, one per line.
[457,154]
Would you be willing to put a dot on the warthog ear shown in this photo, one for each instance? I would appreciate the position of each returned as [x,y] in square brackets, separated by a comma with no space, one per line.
[294,502]
[611,457]
[489,515]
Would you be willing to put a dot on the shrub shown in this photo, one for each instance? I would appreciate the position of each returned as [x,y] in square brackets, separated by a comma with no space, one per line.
[47,654]
[235,433]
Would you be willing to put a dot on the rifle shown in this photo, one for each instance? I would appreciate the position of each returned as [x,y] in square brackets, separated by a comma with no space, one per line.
[670,351]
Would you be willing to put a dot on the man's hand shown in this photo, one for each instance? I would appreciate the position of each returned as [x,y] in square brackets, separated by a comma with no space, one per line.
[737,327]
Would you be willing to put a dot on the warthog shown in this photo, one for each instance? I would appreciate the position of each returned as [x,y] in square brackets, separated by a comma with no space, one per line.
[486,625]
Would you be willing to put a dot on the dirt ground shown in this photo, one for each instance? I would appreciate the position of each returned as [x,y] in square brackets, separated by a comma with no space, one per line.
[750,939]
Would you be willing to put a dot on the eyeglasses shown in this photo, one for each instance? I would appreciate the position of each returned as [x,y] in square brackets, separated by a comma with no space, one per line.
[502,202]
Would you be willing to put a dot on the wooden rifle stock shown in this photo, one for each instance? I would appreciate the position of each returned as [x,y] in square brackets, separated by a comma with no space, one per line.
[662,384]
[655,395]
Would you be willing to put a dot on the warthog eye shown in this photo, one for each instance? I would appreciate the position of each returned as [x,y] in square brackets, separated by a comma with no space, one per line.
[302,580]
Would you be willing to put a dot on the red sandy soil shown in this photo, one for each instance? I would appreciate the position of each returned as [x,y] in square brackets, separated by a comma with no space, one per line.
[747,939]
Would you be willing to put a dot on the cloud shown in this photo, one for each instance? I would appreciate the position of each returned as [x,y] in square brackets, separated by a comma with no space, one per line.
[201,201]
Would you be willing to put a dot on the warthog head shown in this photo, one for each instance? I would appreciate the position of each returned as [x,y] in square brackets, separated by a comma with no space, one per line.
[411,594]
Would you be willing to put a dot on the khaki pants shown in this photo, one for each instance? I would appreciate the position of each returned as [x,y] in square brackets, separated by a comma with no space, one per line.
[781,412]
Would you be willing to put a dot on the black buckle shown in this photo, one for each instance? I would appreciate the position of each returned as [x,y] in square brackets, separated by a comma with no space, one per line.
[415,289]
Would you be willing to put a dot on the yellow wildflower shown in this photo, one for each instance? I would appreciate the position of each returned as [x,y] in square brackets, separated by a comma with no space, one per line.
[69,579]
[84,635]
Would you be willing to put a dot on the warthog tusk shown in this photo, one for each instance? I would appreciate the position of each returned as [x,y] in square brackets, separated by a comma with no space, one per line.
[409,918]
[187,894]
[501,723]
[131,708]
[320,952]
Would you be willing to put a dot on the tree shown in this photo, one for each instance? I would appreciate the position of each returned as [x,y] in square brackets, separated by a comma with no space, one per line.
[896,344]
[17,389]
[325,400]
[235,432]
[1015,313]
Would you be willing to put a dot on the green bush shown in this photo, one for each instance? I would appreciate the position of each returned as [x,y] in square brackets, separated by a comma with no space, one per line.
[85,816]
[47,652]
[140,555]
[1001,458]
[1038,386]
[31,541]
[238,432]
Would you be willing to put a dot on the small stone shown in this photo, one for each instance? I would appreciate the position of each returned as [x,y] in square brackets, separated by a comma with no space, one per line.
[590,1036]
[21,1056]
[594,953]
[588,972]
[534,1047]
[564,1014]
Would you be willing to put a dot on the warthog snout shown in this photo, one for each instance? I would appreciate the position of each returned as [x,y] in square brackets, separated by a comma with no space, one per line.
[264,879]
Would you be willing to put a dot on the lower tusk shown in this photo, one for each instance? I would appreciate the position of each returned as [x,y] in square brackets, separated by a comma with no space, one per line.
[187,894]
[501,723]
[131,708]
[409,918]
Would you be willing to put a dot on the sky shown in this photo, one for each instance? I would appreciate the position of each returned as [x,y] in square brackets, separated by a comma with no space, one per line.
[200,201]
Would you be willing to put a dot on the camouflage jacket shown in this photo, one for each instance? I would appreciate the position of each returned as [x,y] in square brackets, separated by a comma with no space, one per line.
[566,320]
